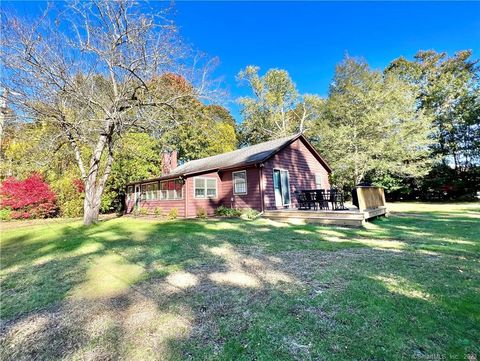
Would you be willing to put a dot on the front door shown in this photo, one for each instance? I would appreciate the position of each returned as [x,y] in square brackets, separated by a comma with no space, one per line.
[137,196]
[281,186]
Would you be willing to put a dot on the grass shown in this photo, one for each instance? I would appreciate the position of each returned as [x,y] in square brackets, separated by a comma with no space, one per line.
[405,287]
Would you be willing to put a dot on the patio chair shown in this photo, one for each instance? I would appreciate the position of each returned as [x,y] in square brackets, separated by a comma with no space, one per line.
[310,199]
[301,200]
[341,202]
[321,199]
[336,198]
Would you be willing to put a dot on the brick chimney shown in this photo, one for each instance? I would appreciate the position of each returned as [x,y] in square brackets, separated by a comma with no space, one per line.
[169,162]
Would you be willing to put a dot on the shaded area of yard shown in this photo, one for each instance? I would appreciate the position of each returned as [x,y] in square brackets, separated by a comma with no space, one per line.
[406,286]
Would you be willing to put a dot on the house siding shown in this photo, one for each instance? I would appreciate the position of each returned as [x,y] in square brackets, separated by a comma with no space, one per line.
[165,206]
[302,165]
[252,199]
[225,194]
[208,204]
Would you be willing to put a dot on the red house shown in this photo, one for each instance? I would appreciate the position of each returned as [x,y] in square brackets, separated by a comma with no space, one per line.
[263,177]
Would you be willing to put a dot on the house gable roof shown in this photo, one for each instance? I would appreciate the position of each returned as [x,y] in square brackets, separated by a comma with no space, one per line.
[251,155]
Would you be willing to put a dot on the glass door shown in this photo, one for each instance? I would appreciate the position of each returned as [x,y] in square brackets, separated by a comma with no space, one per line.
[285,187]
[281,186]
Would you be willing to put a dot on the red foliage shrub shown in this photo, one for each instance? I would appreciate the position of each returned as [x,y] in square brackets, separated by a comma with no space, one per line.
[29,198]
[79,185]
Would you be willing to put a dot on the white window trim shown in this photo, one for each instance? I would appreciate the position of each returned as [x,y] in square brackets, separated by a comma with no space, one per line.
[246,184]
[205,188]
[167,199]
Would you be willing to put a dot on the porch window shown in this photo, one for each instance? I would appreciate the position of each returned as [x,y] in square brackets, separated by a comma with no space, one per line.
[318,181]
[149,191]
[205,187]
[240,182]
[171,189]
[129,193]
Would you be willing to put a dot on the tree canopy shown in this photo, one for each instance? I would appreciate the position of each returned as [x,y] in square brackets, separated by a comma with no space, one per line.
[370,126]
[449,91]
[276,108]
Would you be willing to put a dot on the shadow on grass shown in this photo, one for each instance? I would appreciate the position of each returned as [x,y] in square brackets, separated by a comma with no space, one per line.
[129,288]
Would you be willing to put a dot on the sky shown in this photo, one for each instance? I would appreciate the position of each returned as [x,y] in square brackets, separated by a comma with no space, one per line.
[309,38]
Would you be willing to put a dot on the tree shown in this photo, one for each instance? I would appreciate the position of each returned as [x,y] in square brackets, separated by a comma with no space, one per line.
[276,108]
[370,126]
[88,70]
[449,91]
[198,136]
[201,131]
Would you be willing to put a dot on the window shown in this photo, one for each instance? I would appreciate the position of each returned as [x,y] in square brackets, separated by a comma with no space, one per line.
[318,181]
[211,187]
[149,191]
[205,187]
[240,182]
[171,189]
[129,193]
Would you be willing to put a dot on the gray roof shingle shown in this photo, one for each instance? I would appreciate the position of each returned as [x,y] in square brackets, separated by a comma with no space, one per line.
[249,155]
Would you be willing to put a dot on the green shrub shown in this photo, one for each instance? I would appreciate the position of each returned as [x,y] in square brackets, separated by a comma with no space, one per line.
[5,214]
[173,214]
[72,208]
[107,201]
[143,211]
[223,211]
[158,212]
[201,213]
[70,195]
[250,214]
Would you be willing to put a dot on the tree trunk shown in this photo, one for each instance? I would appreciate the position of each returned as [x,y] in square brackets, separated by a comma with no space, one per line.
[95,181]
[91,204]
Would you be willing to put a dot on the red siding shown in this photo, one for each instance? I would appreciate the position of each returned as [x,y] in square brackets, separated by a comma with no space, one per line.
[164,206]
[225,194]
[302,166]
[250,200]
[194,204]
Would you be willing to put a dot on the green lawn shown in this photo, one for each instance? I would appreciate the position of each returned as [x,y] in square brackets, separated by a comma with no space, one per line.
[404,287]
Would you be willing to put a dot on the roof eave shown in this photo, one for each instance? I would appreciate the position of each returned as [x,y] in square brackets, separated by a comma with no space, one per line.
[165,177]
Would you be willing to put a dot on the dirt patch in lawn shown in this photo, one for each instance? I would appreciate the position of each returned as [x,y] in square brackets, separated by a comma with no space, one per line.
[165,318]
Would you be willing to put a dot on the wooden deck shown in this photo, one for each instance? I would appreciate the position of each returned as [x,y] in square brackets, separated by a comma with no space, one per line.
[351,217]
